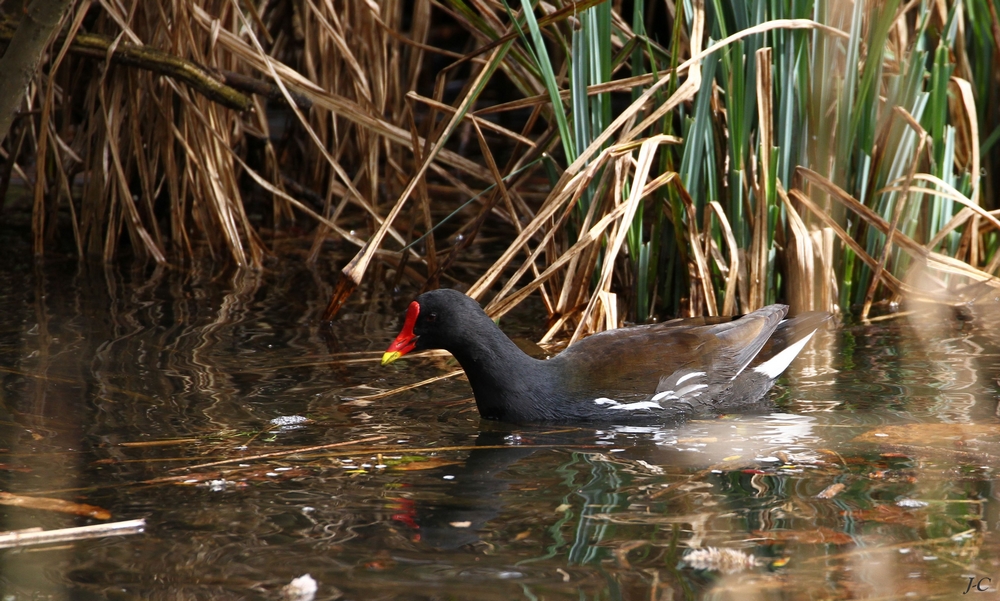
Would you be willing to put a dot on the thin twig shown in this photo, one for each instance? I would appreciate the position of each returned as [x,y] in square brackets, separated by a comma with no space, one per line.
[388,393]
[283,453]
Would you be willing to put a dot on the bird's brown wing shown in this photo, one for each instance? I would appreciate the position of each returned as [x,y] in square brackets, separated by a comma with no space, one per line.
[641,361]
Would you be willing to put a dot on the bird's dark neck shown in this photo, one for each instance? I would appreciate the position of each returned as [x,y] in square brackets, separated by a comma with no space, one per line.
[508,384]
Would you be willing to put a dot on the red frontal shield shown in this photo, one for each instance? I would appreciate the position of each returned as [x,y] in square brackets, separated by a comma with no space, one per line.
[406,340]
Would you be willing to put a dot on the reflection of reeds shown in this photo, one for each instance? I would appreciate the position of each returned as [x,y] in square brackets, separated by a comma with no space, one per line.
[813,156]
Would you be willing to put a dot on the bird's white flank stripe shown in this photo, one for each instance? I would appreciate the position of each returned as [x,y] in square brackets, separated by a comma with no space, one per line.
[686,377]
[666,394]
[690,388]
[773,367]
[638,405]
[628,406]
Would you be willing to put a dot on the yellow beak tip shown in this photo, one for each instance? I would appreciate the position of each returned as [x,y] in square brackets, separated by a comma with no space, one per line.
[390,357]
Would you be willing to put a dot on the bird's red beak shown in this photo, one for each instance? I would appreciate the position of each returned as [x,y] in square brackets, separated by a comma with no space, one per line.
[406,340]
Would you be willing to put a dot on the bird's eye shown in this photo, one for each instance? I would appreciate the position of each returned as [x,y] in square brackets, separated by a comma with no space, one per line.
[432,317]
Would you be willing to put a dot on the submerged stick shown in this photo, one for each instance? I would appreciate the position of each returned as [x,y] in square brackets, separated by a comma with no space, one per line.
[24,538]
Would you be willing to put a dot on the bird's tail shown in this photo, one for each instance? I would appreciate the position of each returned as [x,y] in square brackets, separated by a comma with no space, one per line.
[787,342]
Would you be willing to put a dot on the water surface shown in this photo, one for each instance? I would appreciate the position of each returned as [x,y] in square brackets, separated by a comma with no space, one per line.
[873,477]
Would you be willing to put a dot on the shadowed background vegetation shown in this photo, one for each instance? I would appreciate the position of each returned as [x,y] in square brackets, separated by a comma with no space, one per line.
[623,160]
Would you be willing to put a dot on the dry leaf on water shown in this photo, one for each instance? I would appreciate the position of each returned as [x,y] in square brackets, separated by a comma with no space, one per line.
[928,434]
[810,537]
[421,464]
[831,491]
[890,514]
[49,504]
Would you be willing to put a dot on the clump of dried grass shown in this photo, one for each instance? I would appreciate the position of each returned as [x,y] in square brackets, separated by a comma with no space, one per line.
[166,162]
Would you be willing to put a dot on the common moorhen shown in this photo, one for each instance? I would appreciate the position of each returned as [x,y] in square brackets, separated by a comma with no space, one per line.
[666,371]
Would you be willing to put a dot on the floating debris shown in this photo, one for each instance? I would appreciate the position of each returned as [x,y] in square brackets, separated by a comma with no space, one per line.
[302,588]
[37,536]
[217,485]
[727,561]
[287,423]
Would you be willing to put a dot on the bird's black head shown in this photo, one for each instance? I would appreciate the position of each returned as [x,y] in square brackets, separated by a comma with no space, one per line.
[439,319]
